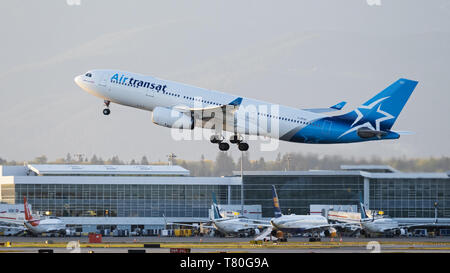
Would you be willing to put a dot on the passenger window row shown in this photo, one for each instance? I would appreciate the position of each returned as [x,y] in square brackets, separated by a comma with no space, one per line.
[286,119]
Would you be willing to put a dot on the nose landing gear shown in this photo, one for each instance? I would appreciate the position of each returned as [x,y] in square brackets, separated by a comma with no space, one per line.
[106,111]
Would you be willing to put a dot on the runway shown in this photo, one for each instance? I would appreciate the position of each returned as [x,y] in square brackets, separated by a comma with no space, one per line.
[224,245]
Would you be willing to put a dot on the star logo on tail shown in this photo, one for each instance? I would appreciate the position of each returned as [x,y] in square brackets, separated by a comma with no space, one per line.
[367,117]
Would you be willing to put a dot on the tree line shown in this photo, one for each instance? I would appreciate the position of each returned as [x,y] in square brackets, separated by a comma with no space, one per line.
[224,164]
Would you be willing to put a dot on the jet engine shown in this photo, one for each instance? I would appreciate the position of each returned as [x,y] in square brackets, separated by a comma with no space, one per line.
[172,118]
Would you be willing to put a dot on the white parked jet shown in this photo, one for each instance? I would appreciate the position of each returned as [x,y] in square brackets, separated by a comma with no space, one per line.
[45,225]
[176,105]
[234,226]
[299,224]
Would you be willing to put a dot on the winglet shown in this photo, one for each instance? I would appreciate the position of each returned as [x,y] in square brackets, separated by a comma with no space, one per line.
[236,102]
[339,106]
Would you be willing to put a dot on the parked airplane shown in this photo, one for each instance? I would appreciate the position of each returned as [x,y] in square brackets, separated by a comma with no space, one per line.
[296,224]
[12,230]
[383,225]
[386,225]
[234,226]
[14,217]
[370,222]
[181,106]
[45,225]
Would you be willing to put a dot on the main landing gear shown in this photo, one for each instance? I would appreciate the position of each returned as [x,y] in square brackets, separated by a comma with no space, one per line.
[235,139]
[106,111]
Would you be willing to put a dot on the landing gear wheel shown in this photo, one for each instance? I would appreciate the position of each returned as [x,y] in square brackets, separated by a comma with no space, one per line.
[223,146]
[243,146]
[106,111]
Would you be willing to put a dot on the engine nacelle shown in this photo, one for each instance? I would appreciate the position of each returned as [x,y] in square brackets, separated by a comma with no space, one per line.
[172,118]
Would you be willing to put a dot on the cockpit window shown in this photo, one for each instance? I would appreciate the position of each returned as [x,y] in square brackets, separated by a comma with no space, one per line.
[89,75]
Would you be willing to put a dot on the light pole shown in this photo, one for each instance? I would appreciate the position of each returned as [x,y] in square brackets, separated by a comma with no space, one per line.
[289,162]
[435,212]
[171,157]
[242,183]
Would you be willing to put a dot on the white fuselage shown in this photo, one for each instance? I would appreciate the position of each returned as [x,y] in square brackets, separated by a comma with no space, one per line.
[36,226]
[234,225]
[298,223]
[12,218]
[46,225]
[380,225]
[278,120]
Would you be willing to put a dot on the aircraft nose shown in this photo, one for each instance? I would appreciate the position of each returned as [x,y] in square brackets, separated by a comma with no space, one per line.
[77,80]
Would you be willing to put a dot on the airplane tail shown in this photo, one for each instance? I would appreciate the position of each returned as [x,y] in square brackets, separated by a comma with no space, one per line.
[216,212]
[381,111]
[27,211]
[276,203]
[362,207]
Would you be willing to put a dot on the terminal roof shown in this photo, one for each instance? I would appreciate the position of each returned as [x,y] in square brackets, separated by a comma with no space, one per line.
[142,170]
[370,168]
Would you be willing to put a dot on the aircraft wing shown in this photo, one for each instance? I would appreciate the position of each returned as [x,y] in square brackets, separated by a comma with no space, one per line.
[333,108]
[200,223]
[327,226]
[193,225]
[215,114]
[425,225]
[259,223]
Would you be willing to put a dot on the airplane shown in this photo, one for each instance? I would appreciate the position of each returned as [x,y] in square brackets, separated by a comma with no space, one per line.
[14,217]
[12,222]
[383,225]
[181,106]
[45,225]
[237,225]
[233,226]
[298,224]
[12,230]
[386,225]
[370,222]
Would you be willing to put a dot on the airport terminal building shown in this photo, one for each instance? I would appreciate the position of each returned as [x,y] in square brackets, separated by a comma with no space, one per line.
[97,197]
[405,196]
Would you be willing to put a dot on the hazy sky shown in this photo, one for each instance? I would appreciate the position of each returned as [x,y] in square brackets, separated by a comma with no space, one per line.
[303,54]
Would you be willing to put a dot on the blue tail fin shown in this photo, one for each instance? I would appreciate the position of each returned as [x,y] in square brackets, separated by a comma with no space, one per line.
[276,204]
[215,207]
[381,111]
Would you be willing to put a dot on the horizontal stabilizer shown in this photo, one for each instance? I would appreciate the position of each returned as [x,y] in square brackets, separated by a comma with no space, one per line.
[404,133]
